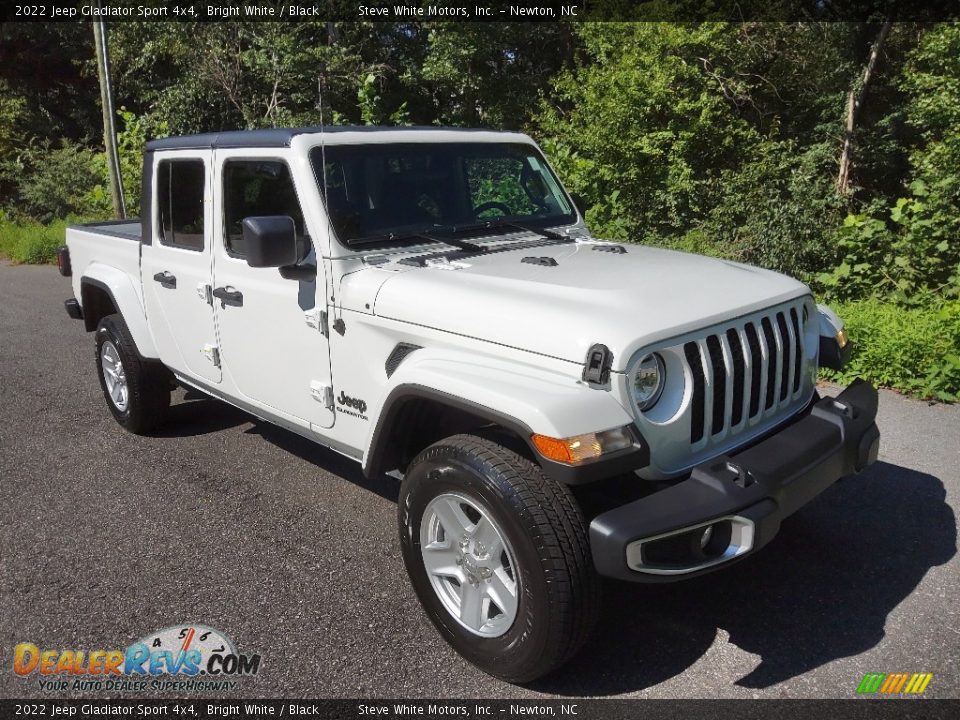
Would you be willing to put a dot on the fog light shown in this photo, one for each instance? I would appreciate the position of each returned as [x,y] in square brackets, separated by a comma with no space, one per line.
[580,448]
[705,538]
[691,549]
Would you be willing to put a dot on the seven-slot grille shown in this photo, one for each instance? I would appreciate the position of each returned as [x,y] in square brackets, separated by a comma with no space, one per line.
[744,372]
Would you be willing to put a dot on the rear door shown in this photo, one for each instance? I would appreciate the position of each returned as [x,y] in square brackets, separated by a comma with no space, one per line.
[176,265]
[269,327]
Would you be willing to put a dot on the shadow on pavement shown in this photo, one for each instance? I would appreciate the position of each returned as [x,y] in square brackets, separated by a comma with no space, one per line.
[820,591]
[200,414]
[330,461]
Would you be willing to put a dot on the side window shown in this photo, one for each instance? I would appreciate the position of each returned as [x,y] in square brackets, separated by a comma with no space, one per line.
[180,186]
[253,188]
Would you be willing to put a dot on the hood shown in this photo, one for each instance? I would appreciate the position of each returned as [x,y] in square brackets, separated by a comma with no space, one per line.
[626,301]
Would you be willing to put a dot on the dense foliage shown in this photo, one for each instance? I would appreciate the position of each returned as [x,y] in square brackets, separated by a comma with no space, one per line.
[718,138]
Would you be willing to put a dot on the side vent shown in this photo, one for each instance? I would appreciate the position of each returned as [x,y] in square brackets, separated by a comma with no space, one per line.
[546,261]
[397,356]
[597,367]
[615,249]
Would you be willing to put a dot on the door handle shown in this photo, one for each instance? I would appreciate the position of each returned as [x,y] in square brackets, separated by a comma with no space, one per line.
[166,279]
[229,296]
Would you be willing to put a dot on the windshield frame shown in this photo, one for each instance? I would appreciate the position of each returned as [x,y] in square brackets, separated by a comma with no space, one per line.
[317,156]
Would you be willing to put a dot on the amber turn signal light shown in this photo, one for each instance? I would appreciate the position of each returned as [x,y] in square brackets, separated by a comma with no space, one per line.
[580,448]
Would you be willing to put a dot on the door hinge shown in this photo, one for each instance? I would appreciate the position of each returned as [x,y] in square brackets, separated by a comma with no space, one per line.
[317,319]
[205,292]
[211,353]
[322,393]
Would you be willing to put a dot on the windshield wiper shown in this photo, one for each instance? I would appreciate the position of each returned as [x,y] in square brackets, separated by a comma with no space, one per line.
[497,225]
[402,237]
[448,231]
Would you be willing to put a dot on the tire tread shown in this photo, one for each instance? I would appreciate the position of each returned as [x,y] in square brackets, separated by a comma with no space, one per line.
[560,535]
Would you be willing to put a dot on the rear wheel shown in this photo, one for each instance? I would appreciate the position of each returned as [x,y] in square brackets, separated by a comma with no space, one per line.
[498,555]
[137,391]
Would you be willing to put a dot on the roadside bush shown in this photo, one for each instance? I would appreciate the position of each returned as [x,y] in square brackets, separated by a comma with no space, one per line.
[912,258]
[32,242]
[51,182]
[131,142]
[47,182]
[776,209]
[914,350]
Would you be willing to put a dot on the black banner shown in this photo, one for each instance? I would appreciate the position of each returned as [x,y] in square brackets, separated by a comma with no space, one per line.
[859,709]
[478,10]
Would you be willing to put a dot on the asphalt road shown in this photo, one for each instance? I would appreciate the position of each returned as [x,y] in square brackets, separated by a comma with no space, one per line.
[286,548]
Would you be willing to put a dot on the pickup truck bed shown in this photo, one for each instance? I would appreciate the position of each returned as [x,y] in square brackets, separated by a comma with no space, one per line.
[129,229]
[107,254]
[115,244]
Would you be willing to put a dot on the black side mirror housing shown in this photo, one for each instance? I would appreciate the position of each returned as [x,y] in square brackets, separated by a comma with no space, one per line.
[271,241]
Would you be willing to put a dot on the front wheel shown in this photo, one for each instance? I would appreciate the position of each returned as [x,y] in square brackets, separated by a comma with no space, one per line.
[498,555]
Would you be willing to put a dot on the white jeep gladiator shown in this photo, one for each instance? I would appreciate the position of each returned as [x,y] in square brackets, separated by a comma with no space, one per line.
[430,303]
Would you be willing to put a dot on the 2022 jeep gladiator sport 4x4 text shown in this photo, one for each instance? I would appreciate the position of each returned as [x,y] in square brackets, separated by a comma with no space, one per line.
[430,303]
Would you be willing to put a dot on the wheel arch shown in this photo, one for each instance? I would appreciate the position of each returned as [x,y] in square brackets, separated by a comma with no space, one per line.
[415,416]
[104,291]
[439,392]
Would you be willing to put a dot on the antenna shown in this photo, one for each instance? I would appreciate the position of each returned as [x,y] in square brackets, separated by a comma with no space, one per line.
[323,151]
[321,86]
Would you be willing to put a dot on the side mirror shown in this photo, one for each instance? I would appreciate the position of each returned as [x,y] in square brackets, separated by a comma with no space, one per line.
[271,241]
[580,203]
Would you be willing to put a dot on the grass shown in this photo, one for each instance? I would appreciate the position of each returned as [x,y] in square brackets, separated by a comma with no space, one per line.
[913,350]
[32,242]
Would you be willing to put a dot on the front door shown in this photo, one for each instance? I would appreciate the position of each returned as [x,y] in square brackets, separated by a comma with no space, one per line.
[176,266]
[270,330]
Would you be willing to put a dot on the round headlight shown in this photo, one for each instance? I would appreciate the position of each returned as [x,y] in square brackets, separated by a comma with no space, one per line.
[647,381]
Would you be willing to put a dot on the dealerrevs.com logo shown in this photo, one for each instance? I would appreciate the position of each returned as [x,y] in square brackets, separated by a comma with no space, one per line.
[180,658]
[894,683]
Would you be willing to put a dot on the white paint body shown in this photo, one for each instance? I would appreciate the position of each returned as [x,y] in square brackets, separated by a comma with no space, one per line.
[495,332]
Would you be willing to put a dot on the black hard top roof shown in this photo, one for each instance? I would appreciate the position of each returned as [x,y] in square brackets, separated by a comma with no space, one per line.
[274,137]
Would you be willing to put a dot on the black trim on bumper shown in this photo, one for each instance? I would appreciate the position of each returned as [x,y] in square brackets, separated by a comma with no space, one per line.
[73,308]
[764,484]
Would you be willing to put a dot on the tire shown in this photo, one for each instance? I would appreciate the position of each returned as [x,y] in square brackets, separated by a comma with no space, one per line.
[140,406]
[546,556]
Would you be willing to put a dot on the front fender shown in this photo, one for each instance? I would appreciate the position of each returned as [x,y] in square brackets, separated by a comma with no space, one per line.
[524,398]
[126,297]
[831,354]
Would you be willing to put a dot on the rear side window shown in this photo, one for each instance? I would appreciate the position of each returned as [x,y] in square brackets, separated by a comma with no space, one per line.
[253,188]
[180,185]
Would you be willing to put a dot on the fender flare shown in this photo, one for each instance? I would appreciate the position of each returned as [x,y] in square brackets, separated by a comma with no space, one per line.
[515,397]
[831,355]
[119,286]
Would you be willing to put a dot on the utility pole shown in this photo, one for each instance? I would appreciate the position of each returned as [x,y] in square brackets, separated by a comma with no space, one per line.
[109,130]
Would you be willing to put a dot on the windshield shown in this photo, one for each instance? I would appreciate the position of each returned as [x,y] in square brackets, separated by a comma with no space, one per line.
[388,191]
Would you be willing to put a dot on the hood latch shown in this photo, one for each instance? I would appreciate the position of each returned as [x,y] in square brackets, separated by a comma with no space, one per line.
[597,367]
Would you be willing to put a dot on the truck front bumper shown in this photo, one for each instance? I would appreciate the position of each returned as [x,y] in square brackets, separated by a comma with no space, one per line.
[733,505]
